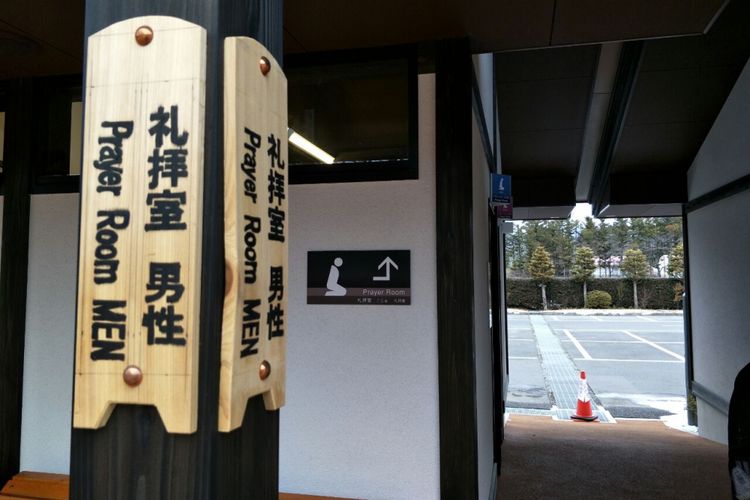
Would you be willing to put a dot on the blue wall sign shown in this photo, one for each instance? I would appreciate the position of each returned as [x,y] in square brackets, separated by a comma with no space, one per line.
[501,189]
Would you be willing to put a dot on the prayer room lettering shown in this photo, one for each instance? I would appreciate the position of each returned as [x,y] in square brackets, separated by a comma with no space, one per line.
[108,330]
[109,162]
[141,227]
[106,263]
[254,329]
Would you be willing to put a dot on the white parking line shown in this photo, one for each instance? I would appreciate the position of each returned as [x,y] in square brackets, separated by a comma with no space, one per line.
[522,339]
[578,345]
[619,342]
[655,346]
[644,318]
[597,330]
[614,360]
[522,357]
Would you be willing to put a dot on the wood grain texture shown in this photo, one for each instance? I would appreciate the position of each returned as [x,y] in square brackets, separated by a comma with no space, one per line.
[255,111]
[455,272]
[19,137]
[133,456]
[128,84]
[37,485]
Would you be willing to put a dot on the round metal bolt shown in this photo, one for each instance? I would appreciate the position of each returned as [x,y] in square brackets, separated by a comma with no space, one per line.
[265,65]
[144,35]
[132,375]
[265,370]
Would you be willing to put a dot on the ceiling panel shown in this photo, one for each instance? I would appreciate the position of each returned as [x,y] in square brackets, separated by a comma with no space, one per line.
[587,21]
[40,37]
[547,153]
[492,25]
[58,23]
[680,89]
[543,100]
[686,95]
[659,147]
[545,64]
[540,105]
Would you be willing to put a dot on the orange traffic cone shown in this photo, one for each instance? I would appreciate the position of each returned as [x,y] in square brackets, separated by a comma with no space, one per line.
[583,410]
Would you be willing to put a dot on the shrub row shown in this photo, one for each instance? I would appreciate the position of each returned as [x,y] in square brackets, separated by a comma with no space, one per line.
[565,293]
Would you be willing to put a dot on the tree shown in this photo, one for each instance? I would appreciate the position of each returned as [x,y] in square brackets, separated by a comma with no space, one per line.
[541,270]
[635,267]
[583,268]
[676,266]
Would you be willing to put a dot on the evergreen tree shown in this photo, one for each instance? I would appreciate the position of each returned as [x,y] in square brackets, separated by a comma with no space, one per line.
[515,249]
[619,236]
[635,267]
[583,268]
[676,265]
[541,270]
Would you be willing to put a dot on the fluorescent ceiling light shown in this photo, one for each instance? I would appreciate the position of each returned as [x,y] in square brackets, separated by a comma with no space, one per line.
[309,148]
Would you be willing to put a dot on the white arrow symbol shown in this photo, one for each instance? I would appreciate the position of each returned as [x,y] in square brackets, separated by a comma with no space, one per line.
[387,263]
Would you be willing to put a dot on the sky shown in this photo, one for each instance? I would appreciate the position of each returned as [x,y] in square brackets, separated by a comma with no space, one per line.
[581,211]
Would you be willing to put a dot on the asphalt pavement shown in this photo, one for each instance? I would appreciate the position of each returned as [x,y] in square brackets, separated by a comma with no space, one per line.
[634,363]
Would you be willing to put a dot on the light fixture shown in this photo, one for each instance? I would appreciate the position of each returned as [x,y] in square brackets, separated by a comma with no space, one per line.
[308,147]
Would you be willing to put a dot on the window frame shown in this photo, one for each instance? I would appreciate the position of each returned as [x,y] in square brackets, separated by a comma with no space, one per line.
[364,171]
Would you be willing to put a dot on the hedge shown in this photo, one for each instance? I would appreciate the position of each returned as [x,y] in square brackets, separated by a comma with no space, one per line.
[565,293]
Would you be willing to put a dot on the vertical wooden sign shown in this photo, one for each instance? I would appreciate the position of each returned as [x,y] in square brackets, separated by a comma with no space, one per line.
[141,221]
[253,350]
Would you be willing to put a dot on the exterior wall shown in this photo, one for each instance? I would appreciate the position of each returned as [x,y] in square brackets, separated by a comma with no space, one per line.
[361,418]
[482,331]
[50,338]
[719,237]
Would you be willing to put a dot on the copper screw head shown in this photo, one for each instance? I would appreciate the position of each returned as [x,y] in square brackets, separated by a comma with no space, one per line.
[132,375]
[144,35]
[265,65]
[265,370]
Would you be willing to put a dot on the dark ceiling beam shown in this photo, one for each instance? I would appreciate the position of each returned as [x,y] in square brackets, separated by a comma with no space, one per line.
[601,96]
[664,187]
[645,195]
[631,56]
[543,191]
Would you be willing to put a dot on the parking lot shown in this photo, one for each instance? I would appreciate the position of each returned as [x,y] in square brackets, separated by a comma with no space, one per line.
[635,363]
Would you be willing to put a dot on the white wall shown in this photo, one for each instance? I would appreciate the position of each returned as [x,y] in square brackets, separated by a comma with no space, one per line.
[50,333]
[361,418]
[719,238]
[482,332]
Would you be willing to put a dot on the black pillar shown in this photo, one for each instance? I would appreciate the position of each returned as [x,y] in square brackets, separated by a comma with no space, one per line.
[133,457]
[455,272]
[13,269]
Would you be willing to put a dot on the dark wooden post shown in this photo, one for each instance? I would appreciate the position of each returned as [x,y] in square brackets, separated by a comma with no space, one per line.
[455,272]
[133,457]
[13,270]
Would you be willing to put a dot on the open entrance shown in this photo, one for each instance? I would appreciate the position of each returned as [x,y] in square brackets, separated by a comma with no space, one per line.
[603,297]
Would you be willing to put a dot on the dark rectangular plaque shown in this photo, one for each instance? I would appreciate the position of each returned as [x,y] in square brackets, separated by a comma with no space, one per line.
[365,277]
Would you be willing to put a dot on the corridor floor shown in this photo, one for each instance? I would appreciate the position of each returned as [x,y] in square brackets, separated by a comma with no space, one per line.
[633,460]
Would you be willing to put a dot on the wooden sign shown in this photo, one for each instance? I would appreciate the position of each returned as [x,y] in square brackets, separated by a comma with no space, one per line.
[256,222]
[141,220]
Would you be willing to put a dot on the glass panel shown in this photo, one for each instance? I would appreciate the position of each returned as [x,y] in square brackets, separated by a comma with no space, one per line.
[355,112]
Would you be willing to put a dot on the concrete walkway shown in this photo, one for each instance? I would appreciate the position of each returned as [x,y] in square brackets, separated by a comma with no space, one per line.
[561,375]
